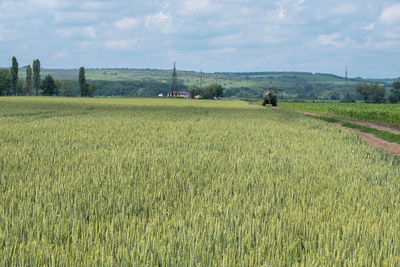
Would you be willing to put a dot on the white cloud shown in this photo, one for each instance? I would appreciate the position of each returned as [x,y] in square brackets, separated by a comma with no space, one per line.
[159,22]
[391,35]
[120,44]
[335,40]
[287,11]
[188,7]
[126,23]
[368,27]
[87,32]
[344,9]
[16,10]
[385,45]
[255,31]
[48,3]
[73,17]
[391,15]
[98,5]
[90,32]
[85,44]
[7,34]
[280,13]
[329,39]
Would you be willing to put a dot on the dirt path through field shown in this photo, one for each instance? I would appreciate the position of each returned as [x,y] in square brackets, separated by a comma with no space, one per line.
[371,140]
[387,127]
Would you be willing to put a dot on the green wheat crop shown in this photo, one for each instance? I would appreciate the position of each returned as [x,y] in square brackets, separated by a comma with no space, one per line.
[360,111]
[165,182]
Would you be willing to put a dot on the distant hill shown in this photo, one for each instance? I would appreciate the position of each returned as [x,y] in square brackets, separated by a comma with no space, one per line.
[303,85]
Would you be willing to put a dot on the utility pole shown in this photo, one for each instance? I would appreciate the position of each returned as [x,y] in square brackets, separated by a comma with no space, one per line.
[345,82]
[201,80]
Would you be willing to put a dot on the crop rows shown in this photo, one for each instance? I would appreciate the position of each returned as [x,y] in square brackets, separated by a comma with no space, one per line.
[177,183]
[360,111]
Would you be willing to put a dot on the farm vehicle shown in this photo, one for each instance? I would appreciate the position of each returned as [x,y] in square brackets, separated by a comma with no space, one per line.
[270,96]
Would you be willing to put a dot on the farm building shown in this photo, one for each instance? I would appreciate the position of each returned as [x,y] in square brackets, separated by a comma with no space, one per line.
[181,94]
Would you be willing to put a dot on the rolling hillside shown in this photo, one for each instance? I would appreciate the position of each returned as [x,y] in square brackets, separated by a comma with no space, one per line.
[303,85]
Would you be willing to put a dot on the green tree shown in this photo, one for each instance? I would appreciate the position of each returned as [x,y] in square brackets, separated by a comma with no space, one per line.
[68,88]
[36,75]
[25,89]
[194,90]
[14,76]
[396,91]
[48,86]
[5,82]
[371,92]
[29,79]
[83,86]
[91,89]
[213,91]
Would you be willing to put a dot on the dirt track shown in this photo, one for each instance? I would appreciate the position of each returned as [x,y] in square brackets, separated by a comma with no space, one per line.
[371,140]
[387,127]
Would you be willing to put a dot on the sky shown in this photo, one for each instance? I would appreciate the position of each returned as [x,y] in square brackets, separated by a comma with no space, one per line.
[216,36]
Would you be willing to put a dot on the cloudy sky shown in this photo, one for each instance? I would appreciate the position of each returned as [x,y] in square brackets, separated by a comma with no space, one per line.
[215,35]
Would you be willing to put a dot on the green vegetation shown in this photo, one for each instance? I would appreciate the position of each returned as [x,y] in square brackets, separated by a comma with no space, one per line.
[361,111]
[49,86]
[27,87]
[194,91]
[371,92]
[14,76]
[391,137]
[83,86]
[297,85]
[395,97]
[175,182]
[213,91]
[36,75]
[5,82]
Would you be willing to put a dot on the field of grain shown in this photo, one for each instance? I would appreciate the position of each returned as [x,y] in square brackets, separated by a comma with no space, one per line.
[389,113]
[181,182]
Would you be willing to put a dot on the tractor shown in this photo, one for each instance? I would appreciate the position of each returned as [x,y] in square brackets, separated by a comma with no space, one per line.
[270,96]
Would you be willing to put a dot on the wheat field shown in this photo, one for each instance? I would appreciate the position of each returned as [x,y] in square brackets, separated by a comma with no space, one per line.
[161,182]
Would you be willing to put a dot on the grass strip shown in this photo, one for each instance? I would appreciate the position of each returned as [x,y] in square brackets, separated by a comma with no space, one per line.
[390,137]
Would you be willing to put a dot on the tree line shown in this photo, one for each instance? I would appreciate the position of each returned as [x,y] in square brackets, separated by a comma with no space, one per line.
[375,93]
[212,91]
[11,85]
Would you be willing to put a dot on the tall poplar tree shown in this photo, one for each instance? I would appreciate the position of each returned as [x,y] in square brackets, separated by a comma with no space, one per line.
[14,75]
[36,75]
[83,86]
[29,79]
